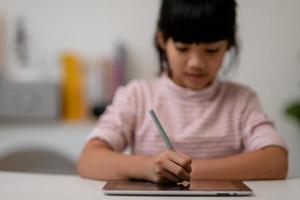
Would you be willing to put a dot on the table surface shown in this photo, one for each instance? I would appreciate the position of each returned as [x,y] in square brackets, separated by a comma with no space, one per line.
[18,186]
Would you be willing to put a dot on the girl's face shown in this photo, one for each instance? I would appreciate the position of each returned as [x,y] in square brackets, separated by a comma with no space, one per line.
[194,66]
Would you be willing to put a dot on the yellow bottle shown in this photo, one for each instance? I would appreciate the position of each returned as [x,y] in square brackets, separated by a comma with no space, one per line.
[73,98]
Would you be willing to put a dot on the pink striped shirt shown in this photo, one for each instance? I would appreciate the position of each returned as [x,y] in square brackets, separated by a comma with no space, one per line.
[222,119]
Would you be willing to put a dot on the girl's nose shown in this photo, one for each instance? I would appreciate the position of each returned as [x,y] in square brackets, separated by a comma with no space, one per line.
[196,61]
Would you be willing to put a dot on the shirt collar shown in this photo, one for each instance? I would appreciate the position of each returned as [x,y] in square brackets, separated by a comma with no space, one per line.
[206,94]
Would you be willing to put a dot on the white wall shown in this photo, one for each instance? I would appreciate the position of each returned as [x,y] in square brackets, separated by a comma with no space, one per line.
[90,27]
[270,61]
[269,32]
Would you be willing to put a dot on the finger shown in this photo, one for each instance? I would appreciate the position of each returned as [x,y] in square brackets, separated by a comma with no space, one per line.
[182,160]
[176,170]
[185,156]
[188,168]
[187,165]
[171,177]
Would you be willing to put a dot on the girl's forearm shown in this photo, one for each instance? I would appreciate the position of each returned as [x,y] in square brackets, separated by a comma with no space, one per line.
[101,163]
[268,163]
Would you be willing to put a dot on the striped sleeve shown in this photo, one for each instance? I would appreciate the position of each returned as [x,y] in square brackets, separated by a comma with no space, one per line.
[257,129]
[116,124]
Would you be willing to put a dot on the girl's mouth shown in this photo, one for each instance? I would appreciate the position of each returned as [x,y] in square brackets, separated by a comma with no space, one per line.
[196,76]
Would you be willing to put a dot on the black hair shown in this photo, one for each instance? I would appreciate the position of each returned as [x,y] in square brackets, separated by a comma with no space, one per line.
[196,21]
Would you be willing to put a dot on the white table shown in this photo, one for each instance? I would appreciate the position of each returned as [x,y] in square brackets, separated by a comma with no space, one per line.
[19,186]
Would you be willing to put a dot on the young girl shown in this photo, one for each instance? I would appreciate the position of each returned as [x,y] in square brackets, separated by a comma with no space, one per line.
[218,128]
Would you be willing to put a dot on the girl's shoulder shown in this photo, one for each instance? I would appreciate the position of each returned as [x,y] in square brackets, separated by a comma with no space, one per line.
[235,89]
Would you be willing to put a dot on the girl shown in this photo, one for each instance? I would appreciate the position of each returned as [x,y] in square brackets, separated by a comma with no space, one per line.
[218,128]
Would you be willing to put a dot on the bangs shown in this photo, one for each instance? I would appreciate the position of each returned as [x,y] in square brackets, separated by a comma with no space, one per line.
[196,21]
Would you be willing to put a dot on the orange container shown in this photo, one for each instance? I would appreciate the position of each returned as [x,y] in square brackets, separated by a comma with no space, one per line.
[73,88]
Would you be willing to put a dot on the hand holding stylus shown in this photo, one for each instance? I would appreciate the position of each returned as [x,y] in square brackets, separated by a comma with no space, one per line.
[169,165]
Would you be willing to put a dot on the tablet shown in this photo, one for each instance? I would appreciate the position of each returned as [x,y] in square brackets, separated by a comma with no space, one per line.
[195,187]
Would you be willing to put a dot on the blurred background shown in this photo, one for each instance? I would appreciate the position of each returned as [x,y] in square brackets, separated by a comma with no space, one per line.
[61,61]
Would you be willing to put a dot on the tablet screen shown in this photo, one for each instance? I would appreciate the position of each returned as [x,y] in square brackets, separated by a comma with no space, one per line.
[201,187]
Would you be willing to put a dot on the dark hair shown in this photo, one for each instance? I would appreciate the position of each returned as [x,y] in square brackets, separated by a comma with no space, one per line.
[196,21]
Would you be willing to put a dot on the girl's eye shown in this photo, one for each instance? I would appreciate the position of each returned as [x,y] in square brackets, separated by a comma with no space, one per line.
[212,51]
[182,48]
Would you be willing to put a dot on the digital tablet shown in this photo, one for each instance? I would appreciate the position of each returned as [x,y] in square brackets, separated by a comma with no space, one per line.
[195,187]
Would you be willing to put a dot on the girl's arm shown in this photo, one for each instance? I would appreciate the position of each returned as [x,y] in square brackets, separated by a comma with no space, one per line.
[99,161]
[268,163]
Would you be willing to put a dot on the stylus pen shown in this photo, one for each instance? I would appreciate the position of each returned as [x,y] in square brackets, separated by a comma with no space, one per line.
[161,130]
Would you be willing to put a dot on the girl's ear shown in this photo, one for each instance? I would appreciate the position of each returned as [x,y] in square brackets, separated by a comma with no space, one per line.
[160,40]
